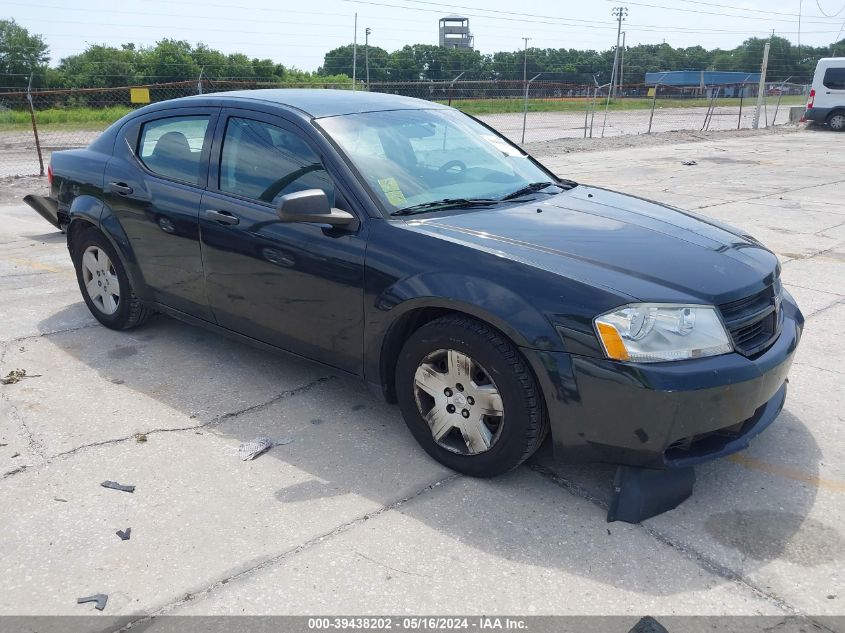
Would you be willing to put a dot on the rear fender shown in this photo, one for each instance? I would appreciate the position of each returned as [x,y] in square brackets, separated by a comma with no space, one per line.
[92,211]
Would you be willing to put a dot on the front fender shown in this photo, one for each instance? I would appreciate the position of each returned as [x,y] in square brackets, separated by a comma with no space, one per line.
[479,297]
[483,299]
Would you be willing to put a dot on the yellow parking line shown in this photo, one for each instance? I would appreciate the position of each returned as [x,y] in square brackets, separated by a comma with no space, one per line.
[787,472]
[36,265]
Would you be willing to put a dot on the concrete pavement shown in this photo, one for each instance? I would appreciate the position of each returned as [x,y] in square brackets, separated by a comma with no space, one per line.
[351,516]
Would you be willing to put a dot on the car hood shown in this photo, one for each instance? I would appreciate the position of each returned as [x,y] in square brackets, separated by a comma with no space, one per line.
[643,249]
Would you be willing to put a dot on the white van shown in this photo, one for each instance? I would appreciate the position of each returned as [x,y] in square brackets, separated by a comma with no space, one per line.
[827,97]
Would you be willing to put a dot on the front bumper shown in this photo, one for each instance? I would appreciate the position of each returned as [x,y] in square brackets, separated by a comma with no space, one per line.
[664,415]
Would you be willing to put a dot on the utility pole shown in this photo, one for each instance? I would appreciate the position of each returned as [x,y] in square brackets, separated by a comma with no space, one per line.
[762,87]
[525,62]
[619,13]
[800,7]
[622,65]
[354,52]
[367,32]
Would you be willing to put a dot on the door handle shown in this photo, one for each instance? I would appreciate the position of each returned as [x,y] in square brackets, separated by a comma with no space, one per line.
[221,217]
[120,188]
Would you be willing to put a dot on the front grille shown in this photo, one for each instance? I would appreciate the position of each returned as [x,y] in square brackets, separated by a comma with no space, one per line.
[754,321]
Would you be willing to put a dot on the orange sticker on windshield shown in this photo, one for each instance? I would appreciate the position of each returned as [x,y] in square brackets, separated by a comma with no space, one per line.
[392,191]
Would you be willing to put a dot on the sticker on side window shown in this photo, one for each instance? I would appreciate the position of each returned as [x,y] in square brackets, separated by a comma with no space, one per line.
[392,191]
[501,145]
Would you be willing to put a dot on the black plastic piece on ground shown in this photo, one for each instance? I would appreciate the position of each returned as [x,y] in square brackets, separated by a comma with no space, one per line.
[99,598]
[641,493]
[124,534]
[116,486]
[648,625]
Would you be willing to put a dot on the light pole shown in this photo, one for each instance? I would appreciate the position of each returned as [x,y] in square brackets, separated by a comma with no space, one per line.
[367,32]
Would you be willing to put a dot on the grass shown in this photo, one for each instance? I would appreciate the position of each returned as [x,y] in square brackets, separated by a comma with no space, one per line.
[100,118]
[511,105]
[76,118]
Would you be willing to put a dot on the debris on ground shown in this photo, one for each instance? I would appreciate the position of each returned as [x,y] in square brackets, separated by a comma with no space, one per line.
[60,499]
[254,448]
[16,375]
[16,455]
[689,163]
[140,437]
[99,598]
[116,486]
[124,534]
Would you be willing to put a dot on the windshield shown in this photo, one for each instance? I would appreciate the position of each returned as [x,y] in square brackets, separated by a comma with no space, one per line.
[412,158]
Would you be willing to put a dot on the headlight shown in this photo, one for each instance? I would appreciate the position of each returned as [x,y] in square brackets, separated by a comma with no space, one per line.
[653,332]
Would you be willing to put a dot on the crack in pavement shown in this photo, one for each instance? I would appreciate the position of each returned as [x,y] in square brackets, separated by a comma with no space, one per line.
[773,193]
[215,421]
[31,337]
[250,571]
[816,367]
[701,560]
[34,447]
[825,309]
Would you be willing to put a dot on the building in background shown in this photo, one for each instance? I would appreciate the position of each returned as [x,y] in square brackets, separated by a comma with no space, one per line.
[706,82]
[454,32]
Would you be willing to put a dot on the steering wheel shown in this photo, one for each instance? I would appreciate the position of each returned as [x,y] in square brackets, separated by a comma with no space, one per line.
[276,187]
[449,165]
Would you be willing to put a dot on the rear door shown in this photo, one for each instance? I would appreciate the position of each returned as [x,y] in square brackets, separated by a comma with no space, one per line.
[153,185]
[298,286]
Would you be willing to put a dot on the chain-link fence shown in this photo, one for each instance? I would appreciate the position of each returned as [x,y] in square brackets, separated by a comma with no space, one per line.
[35,124]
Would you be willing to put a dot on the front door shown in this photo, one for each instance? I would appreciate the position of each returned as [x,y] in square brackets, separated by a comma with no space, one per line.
[153,186]
[298,286]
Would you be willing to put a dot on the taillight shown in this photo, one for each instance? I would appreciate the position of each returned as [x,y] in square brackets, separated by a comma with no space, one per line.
[812,98]
[50,173]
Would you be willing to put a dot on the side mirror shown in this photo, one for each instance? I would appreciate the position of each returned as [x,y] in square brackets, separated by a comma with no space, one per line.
[311,205]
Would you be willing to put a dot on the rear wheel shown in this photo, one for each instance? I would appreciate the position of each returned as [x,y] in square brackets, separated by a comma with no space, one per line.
[469,398]
[104,283]
[836,121]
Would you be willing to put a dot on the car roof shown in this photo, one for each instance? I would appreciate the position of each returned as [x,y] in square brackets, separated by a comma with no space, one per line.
[319,102]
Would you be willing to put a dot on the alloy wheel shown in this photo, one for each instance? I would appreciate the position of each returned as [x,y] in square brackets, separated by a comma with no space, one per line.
[101,282]
[837,122]
[460,402]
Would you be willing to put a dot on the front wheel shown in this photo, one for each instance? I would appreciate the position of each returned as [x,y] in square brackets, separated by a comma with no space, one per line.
[469,398]
[104,283]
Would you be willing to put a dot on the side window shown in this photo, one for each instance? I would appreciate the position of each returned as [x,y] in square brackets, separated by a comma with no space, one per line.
[834,78]
[173,147]
[264,162]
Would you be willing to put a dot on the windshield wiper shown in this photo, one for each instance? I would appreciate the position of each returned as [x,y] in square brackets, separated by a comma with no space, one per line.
[530,188]
[446,203]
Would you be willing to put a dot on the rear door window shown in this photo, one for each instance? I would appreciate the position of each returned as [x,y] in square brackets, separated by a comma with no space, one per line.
[173,147]
[834,78]
[263,162]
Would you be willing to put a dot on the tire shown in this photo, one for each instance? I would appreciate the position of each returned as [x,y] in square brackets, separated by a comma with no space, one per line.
[105,272]
[495,368]
[836,121]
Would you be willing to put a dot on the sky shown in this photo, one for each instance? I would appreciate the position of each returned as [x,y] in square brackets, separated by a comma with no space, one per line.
[288,33]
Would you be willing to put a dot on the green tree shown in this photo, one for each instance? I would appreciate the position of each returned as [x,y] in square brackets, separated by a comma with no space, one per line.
[168,60]
[100,66]
[22,55]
